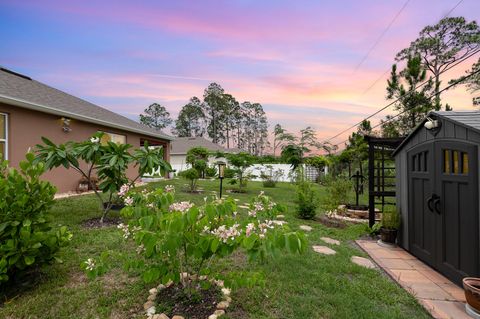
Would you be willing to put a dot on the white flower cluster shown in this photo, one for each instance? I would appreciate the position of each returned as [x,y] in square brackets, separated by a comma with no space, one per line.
[90,264]
[180,207]
[94,139]
[262,228]
[123,190]
[125,229]
[128,201]
[140,249]
[224,233]
[169,189]
[258,207]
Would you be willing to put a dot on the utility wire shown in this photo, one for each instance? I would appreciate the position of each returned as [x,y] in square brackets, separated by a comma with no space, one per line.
[410,108]
[396,100]
[377,80]
[381,36]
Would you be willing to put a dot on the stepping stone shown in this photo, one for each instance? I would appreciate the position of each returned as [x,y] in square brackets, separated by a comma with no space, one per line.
[330,241]
[243,206]
[324,250]
[279,222]
[364,262]
[306,228]
[280,216]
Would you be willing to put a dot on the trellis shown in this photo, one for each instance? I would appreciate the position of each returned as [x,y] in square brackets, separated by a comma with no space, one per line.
[381,173]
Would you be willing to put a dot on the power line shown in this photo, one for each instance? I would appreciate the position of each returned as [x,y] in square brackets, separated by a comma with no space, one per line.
[410,108]
[451,10]
[396,100]
[381,36]
[377,80]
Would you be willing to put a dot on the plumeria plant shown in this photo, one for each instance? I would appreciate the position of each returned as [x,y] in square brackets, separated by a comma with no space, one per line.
[184,238]
[108,160]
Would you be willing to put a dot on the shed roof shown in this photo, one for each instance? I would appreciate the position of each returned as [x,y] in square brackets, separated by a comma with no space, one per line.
[20,90]
[181,145]
[467,119]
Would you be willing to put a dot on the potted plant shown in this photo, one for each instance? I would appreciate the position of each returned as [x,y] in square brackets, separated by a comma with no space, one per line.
[390,226]
[471,287]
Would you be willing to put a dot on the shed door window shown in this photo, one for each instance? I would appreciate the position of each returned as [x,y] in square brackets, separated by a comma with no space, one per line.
[455,162]
[112,137]
[3,137]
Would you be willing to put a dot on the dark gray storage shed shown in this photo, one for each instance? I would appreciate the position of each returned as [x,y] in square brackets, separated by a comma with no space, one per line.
[437,192]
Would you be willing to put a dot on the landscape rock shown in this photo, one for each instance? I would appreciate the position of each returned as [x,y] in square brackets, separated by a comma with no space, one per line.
[280,216]
[161,316]
[151,311]
[177,317]
[324,250]
[153,291]
[148,305]
[219,313]
[364,262]
[306,228]
[152,297]
[212,317]
[222,305]
[226,291]
[279,222]
[331,241]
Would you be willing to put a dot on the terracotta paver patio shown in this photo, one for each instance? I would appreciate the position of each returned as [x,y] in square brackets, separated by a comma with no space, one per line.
[441,297]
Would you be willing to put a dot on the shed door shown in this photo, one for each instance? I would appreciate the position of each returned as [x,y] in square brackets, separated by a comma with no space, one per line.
[421,186]
[457,209]
[443,207]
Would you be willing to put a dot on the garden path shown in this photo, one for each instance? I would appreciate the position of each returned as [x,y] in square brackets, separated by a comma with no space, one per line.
[437,294]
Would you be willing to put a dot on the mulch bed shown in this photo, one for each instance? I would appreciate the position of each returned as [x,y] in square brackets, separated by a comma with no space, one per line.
[107,222]
[174,301]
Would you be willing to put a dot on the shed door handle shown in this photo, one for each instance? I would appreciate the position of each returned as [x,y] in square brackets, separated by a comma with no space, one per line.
[435,205]
[434,199]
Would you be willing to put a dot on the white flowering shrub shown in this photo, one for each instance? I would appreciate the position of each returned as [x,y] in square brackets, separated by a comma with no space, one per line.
[181,237]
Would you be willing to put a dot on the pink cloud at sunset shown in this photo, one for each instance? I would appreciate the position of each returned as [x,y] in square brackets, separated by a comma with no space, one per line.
[298,59]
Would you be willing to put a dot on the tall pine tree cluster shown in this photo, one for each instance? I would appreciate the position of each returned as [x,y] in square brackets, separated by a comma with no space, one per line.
[225,121]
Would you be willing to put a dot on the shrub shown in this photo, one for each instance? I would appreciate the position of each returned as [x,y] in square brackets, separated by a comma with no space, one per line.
[193,176]
[27,237]
[307,202]
[337,192]
[110,160]
[179,237]
[390,219]
[198,158]
[270,176]
[229,172]
[241,162]
[211,171]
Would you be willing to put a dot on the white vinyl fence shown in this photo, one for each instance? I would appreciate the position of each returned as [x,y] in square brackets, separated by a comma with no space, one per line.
[284,171]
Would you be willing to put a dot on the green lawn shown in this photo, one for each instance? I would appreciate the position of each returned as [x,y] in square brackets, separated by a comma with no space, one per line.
[306,286]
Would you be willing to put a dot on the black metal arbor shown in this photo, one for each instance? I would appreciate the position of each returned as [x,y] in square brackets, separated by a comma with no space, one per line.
[381,172]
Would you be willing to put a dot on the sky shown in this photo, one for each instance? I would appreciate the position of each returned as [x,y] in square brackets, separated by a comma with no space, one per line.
[318,63]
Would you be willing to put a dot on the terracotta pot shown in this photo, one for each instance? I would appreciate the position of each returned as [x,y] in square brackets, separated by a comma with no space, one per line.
[388,235]
[472,292]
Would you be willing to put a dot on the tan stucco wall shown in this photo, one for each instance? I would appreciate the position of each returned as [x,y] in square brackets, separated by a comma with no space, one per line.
[26,127]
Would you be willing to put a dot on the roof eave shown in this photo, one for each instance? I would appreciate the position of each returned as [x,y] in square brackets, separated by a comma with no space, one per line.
[417,128]
[50,110]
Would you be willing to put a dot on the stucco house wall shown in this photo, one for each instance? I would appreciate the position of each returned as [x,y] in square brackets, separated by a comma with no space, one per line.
[26,127]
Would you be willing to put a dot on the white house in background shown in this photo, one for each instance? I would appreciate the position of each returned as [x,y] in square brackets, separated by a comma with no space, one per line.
[181,145]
